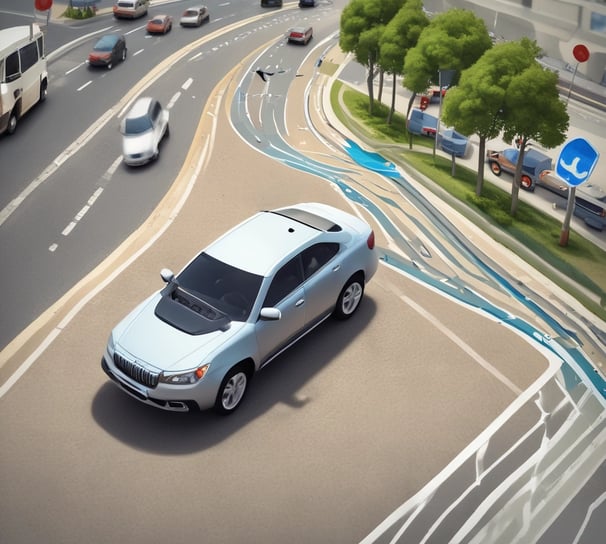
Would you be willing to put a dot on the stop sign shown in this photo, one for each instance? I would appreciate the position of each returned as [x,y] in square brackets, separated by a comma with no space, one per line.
[581,53]
[43,5]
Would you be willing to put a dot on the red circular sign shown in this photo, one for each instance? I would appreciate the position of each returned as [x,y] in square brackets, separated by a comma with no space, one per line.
[580,52]
[43,5]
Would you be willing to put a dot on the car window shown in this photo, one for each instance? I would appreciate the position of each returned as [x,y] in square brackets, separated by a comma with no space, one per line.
[137,125]
[316,256]
[286,280]
[106,43]
[155,113]
[223,286]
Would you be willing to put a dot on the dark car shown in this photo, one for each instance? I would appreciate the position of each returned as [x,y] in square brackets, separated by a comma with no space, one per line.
[307,3]
[109,49]
[271,3]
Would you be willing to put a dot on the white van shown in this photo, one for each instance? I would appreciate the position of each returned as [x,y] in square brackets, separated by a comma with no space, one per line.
[23,74]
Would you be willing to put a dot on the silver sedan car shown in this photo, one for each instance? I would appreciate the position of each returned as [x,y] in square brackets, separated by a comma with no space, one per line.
[143,128]
[238,304]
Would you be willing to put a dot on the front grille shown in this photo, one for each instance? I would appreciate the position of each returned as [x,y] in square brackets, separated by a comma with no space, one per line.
[136,372]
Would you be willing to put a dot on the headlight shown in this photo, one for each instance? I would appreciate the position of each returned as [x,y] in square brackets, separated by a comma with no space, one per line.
[184,378]
[111,344]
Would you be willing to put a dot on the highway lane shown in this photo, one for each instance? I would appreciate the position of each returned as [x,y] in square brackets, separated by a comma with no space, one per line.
[45,262]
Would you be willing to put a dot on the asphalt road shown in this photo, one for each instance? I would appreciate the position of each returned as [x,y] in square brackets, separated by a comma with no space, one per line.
[346,427]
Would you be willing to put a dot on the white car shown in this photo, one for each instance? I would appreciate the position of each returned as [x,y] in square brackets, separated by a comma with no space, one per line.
[240,303]
[143,128]
[195,16]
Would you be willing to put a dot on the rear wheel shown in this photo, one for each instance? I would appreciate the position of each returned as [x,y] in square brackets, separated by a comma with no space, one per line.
[350,298]
[526,183]
[12,122]
[232,390]
[43,91]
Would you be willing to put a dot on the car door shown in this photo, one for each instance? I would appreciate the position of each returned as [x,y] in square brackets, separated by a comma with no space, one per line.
[323,280]
[286,293]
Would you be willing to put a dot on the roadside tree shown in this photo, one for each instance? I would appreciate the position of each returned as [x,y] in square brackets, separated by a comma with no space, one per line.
[453,40]
[361,25]
[400,35]
[533,111]
[476,104]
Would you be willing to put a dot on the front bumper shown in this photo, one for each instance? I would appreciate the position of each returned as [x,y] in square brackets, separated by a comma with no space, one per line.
[147,396]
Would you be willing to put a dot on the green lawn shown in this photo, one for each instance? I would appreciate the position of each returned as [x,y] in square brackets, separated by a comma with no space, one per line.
[531,234]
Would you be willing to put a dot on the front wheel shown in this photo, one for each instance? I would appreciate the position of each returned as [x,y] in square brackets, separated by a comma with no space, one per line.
[349,298]
[495,168]
[232,390]
[12,123]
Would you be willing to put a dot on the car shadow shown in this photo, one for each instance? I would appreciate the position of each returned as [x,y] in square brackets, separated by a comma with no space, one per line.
[172,433]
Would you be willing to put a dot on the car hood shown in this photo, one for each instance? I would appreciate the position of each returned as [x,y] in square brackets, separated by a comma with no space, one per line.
[148,339]
[138,143]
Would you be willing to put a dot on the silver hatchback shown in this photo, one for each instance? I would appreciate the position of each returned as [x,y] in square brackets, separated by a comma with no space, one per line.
[143,128]
[238,304]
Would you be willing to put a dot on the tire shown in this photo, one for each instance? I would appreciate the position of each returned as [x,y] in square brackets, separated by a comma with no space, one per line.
[495,167]
[350,297]
[110,64]
[43,91]
[232,390]
[12,122]
[526,183]
[123,55]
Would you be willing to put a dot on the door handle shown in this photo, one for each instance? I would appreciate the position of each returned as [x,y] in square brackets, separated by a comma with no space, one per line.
[300,302]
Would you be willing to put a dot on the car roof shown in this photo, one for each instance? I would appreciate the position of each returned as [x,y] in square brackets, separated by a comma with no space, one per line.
[140,107]
[108,39]
[258,244]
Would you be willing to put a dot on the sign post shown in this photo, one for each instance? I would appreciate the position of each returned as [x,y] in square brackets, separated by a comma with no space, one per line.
[581,54]
[575,164]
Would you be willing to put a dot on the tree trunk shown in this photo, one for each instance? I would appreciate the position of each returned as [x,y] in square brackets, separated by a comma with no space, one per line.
[481,163]
[369,83]
[393,101]
[380,96]
[515,188]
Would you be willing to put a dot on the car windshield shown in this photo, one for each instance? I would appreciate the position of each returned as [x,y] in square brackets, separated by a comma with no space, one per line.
[191,13]
[106,43]
[137,125]
[157,21]
[223,286]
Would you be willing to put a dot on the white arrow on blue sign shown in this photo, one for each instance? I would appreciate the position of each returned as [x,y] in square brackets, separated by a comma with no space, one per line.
[576,161]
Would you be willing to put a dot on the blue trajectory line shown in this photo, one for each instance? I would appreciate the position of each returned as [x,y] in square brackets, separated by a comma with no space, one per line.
[372,161]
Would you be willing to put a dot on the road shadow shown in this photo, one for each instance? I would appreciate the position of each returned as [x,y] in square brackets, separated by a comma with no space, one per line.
[172,433]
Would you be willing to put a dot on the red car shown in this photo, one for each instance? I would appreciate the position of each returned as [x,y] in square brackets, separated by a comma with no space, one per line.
[160,24]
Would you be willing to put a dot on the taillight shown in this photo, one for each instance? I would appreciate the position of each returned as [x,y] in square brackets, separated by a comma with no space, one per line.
[370,241]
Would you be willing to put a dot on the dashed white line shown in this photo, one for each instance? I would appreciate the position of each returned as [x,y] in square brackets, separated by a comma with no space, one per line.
[187,84]
[137,52]
[173,100]
[85,85]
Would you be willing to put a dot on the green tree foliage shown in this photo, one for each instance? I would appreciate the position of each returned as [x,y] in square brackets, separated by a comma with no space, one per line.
[533,111]
[453,40]
[477,104]
[361,25]
[400,35]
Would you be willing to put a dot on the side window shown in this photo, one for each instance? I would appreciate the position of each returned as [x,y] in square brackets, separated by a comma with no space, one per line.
[155,111]
[286,280]
[316,256]
[40,41]
[29,56]
[12,67]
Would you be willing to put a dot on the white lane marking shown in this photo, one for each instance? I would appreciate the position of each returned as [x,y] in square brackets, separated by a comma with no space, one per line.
[111,170]
[53,247]
[76,67]
[173,100]
[137,52]
[83,211]
[187,84]
[462,344]
[197,55]
[84,86]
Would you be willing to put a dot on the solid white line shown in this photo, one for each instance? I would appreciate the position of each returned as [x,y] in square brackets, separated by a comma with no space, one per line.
[463,345]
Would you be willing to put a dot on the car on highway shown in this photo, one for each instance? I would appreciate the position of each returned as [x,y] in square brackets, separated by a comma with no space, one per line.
[554,183]
[590,205]
[130,9]
[240,303]
[271,3]
[505,161]
[159,24]
[307,3]
[109,49]
[143,128]
[300,34]
[195,16]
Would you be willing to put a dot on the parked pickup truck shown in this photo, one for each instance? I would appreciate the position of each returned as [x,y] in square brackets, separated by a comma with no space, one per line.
[534,163]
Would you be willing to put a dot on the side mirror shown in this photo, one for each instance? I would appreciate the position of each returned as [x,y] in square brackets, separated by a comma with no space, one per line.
[270,314]
[167,275]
